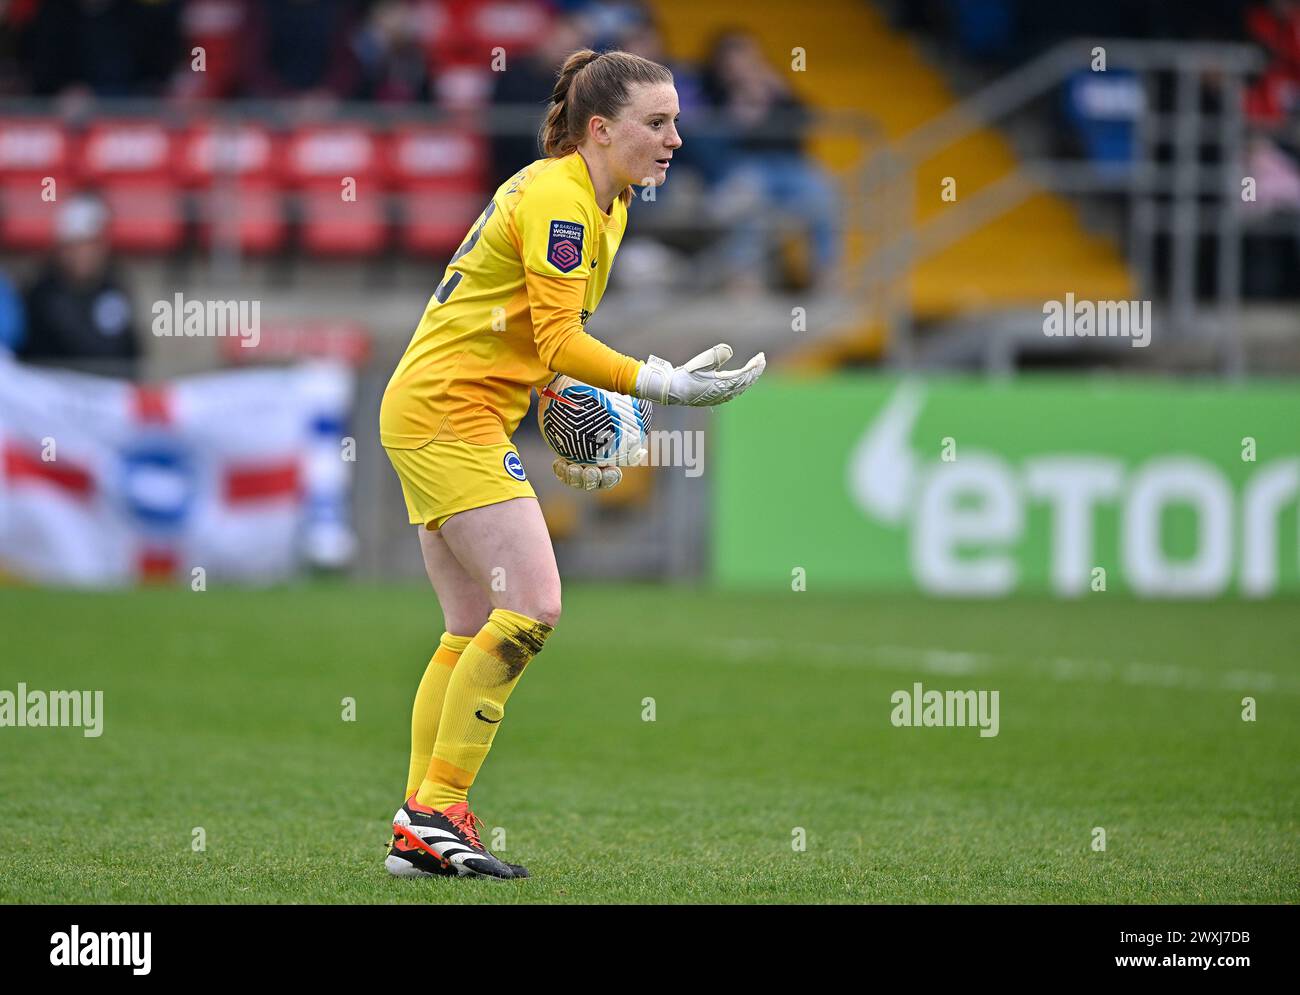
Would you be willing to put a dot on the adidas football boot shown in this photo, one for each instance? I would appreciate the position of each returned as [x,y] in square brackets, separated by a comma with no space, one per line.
[446,844]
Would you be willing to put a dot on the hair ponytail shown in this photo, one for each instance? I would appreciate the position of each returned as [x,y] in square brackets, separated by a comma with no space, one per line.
[554,137]
[592,83]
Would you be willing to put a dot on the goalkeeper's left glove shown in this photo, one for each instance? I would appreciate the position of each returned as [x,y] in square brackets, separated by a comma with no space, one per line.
[702,381]
[585,477]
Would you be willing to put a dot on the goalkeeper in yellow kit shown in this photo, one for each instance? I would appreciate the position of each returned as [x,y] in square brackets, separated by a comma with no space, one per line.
[509,314]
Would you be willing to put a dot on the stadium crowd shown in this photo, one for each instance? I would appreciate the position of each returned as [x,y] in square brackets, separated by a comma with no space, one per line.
[747,129]
[744,161]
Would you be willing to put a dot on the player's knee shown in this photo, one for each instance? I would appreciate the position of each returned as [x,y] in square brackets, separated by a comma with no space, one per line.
[465,624]
[544,607]
[546,611]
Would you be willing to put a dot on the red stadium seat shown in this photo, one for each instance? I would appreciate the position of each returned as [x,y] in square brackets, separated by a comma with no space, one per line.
[318,160]
[126,150]
[245,150]
[33,146]
[235,171]
[463,33]
[464,87]
[436,219]
[515,25]
[418,154]
[457,39]
[440,172]
[32,150]
[253,215]
[131,163]
[332,226]
[329,152]
[439,25]
[26,220]
[145,216]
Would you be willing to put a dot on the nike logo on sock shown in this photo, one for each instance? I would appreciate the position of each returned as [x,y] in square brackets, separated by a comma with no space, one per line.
[480,715]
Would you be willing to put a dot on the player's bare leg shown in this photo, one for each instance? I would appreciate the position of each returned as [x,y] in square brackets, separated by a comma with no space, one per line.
[503,543]
[465,609]
[510,536]
[465,603]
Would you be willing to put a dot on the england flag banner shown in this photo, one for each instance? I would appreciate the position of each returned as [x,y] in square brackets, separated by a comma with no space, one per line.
[239,476]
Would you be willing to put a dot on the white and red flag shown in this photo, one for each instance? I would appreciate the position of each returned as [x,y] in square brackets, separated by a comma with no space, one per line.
[243,474]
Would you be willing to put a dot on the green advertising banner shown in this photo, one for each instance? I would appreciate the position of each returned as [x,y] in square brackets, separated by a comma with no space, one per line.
[970,487]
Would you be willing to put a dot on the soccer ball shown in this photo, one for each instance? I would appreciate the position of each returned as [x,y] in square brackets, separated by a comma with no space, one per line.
[588,425]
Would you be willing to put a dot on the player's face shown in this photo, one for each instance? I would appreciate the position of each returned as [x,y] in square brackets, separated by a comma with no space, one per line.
[645,134]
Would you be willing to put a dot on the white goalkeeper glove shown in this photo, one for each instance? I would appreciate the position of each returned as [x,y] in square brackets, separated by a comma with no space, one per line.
[700,382]
[585,477]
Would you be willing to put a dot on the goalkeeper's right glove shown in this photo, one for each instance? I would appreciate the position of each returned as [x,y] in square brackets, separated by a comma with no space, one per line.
[700,382]
[585,477]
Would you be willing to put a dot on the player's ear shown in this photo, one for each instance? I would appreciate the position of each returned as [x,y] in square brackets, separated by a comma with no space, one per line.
[598,129]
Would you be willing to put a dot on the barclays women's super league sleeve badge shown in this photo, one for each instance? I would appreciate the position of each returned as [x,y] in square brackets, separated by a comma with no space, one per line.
[564,249]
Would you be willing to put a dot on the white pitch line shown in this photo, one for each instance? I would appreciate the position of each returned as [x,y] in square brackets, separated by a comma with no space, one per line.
[938,660]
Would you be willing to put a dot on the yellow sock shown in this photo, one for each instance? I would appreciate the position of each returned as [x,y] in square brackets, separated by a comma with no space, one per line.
[428,706]
[488,671]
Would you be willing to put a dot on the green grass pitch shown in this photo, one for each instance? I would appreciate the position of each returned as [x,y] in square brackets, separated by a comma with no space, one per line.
[222,710]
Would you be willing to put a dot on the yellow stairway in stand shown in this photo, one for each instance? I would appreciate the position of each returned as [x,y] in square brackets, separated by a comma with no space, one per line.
[1033,252]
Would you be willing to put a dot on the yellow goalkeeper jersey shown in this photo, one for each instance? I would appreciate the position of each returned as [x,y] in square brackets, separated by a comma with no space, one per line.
[510,311]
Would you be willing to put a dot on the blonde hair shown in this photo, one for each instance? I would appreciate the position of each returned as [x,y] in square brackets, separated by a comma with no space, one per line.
[593,83]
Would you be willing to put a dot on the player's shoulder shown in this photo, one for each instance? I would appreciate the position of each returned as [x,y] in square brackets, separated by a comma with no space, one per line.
[553,185]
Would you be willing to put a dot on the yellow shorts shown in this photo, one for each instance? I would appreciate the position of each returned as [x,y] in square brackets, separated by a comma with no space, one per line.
[442,478]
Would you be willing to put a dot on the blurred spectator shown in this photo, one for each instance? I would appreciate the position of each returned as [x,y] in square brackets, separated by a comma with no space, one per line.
[1277,179]
[529,82]
[985,28]
[14,19]
[392,64]
[78,309]
[1102,110]
[609,21]
[218,29]
[767,169]
[1273,102]
[1276,94]
[113,48]
[11,315]
[300,48]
